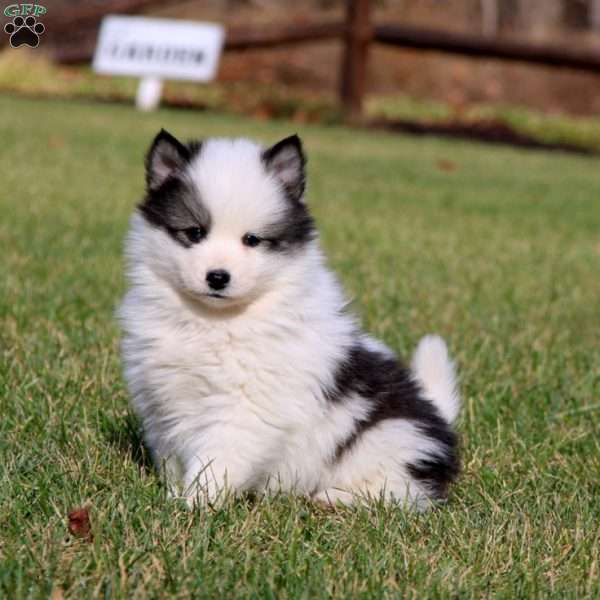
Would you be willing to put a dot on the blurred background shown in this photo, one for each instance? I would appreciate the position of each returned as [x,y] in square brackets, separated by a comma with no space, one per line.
[521,71]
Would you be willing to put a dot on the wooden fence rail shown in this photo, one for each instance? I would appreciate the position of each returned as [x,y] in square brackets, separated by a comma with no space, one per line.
[552,55]
[267,37]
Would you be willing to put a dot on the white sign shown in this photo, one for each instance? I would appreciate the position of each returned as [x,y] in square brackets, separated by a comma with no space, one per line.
[158,48]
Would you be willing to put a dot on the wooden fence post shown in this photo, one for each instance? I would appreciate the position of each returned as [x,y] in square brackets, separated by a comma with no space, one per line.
[357,37]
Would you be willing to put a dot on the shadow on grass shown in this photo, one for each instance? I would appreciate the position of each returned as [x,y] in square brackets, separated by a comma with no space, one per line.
[491,131]
[125,434]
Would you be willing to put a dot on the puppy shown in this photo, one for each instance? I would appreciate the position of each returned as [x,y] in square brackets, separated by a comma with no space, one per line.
[244,364]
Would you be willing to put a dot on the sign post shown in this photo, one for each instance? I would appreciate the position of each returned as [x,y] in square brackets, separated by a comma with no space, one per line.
[148,93]
[157,49]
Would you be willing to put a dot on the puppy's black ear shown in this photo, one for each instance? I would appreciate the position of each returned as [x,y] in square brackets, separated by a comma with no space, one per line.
[285,161]
[166,155]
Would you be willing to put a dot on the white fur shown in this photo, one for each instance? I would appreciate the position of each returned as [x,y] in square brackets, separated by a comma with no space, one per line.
[230,392]
[434,369]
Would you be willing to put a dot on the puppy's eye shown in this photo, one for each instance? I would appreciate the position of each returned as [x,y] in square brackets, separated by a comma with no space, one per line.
[195,234]
[251,240]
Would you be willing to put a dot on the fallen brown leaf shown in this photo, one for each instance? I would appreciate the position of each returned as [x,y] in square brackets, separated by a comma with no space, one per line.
[443,164]
[56,141]
[79,523]
[57,594]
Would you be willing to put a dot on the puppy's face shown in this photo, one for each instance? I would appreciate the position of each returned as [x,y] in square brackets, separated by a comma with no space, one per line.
[225,218]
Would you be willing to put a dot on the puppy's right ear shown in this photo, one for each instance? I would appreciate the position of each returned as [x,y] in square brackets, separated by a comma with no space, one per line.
[166,155]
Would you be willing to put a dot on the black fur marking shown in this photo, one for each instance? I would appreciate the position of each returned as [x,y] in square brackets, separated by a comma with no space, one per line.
[286,162]
[394,394]
[174,207]
[293,230]
[171,201]
[436,473]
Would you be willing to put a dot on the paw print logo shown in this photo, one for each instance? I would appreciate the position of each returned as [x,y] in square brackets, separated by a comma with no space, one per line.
[24,32]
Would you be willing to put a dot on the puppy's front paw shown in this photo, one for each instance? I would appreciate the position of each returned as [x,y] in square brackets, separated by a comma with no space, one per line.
[331,497]
[202,500]
[203,495]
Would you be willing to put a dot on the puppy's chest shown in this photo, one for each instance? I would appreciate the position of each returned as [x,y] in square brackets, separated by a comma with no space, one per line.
[262,369]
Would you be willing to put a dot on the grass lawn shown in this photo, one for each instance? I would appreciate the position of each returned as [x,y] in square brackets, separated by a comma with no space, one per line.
[496,249]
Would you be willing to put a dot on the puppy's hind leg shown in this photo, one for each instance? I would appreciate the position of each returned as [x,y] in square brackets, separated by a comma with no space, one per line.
[385,463]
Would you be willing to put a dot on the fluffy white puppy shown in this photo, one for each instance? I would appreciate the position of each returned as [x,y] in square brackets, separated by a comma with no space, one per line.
[243,362]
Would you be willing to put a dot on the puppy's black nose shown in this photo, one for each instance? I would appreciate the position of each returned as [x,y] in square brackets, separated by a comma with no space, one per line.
[218,279]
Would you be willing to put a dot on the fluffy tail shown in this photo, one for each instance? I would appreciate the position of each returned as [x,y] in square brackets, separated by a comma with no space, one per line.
[435,372]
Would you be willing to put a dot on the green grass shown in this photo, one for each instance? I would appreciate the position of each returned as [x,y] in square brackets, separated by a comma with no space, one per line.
[496,249]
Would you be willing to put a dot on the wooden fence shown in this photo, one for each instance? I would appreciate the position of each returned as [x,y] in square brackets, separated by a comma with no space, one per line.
[357,32]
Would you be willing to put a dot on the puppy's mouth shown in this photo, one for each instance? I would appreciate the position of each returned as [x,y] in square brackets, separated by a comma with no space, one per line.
[220,301]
